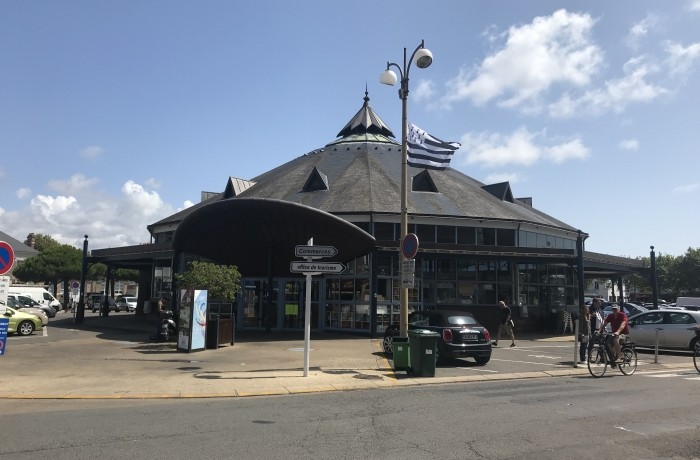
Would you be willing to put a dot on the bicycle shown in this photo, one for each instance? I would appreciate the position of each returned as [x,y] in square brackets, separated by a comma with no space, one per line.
[600,355]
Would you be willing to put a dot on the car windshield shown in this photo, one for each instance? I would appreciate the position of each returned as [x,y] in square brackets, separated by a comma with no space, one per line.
[461,320]
[130,299]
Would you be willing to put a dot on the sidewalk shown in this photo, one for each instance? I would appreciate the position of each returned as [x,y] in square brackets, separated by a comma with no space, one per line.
[112,358]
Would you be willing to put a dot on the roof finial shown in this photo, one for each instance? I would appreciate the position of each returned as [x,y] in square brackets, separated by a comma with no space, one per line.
[366,94]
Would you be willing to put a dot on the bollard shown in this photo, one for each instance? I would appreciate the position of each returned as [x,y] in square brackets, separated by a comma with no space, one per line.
[656,348]
[576,344]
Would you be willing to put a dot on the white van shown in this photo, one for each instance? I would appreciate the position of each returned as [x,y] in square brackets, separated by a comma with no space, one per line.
[38,294]
[689,303]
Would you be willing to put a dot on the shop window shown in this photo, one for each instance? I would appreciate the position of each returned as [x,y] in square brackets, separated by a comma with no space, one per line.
[466,292]
[383,289]
[446,234]
[487,271]
[446,292]
[487,294]
[425,233]
[384,264]
[506,237]
[504,273]
[466,269]
[466,235]
[427,267]
[486,236]
[447,269]
[428,288]
[363,225]
[386,231]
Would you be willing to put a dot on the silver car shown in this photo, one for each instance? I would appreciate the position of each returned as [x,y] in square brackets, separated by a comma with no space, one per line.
[676,328]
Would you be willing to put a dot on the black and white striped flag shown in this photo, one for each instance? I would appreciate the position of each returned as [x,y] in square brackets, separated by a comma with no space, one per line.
[426,151]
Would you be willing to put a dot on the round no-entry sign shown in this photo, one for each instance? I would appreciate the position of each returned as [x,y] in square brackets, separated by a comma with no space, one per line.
[409,246]
[7,257]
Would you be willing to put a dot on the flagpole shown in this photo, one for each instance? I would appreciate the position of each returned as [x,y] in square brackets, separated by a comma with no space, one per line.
[423,58]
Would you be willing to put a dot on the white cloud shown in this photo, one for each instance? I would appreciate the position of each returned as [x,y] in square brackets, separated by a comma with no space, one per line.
[521,147]
[497,178]
[2,173]
[53,208]
[694,5]
[23,193]
[680,58]
[629,144]
[110,221]
[75,184]
[686,188]
[186,204]
[615,95]
[91,152]
[153,183]
[551,50]
[424,91]
[139,201]
[641,29]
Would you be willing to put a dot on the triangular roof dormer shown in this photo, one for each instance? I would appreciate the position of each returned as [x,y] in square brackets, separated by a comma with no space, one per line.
[501,191]
[236,186]
[423,182]
[315,182]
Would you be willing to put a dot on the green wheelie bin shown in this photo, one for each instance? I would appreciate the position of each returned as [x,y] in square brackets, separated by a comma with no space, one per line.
[401,357]
[423,344]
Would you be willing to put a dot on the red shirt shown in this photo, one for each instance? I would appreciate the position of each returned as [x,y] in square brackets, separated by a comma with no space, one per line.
[616,322]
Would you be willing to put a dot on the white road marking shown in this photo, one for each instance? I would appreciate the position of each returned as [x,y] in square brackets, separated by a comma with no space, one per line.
[545,356]
[474,369]
[530,362]
[625,429]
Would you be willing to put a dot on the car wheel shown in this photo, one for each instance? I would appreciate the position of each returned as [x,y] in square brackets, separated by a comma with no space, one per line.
[482,360]
[25,328]
[117,310]
[387,344]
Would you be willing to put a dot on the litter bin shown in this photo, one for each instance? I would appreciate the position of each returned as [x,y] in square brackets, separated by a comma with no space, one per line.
[423,345]
[401,355]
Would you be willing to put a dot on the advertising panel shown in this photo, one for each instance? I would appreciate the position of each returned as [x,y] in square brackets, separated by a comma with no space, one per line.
[193,320]
[4,325]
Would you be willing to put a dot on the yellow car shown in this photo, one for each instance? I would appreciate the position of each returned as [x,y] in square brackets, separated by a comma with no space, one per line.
[22,323]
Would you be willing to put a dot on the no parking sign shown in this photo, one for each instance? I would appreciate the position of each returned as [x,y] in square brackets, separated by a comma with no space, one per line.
[7,257]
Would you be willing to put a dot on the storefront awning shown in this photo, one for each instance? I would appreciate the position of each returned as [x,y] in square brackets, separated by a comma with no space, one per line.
[259,235]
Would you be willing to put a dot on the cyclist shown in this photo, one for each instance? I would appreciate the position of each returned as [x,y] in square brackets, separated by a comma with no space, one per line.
[618,323]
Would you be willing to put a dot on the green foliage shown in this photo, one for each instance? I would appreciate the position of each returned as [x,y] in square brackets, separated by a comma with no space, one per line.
[675,275]
[222,281]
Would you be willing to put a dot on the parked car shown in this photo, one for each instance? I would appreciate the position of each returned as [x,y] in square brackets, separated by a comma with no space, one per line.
[22,323]
[628,308]
[29,302]
[126,303]
[95,302]
[461,335]
[676,328]
[38,312]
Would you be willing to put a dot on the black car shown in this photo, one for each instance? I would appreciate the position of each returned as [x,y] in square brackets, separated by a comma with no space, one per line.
[461,335]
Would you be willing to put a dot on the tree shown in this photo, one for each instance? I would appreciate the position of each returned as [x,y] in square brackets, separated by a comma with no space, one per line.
[222,281]
[687,273]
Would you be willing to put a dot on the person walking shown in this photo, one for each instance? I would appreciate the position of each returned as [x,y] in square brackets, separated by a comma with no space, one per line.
[505,325]
[584,333]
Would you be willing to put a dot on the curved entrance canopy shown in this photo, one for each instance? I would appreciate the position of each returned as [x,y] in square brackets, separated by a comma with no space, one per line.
[258,235]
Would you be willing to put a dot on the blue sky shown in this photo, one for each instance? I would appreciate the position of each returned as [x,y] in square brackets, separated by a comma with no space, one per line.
[115,114]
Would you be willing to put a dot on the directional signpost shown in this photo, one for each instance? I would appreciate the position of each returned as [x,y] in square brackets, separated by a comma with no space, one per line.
[310,268]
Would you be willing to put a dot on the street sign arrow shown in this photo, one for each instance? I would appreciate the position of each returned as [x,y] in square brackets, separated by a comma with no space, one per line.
[316,267]
[315,251]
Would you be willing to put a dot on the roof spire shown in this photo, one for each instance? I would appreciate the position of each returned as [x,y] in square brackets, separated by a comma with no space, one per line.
[366,121]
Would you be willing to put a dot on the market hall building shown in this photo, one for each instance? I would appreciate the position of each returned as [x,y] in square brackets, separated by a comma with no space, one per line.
[478,243]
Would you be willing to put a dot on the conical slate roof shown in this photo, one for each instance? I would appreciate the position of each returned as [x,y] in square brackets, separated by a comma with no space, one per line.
[360,173]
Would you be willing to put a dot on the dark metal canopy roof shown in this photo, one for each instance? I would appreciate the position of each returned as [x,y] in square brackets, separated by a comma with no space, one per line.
[245,231]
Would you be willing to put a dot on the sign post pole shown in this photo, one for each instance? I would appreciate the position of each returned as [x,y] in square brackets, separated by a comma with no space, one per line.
[307,317]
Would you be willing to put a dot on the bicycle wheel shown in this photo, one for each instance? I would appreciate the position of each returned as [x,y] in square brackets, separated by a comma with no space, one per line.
[597,361]
[628,362]
[696,357]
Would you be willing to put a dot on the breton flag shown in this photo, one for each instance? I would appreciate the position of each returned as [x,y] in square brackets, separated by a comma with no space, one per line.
[426,151]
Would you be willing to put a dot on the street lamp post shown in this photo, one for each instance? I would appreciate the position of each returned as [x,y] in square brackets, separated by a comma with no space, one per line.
[423,58]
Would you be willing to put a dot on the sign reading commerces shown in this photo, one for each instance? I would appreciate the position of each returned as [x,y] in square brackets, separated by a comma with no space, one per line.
[7,257]
[315,251]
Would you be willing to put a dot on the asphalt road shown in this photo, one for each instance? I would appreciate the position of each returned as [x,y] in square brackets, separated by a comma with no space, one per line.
[648,415]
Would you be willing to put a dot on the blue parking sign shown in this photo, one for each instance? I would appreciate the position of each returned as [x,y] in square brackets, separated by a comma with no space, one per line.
[4,325]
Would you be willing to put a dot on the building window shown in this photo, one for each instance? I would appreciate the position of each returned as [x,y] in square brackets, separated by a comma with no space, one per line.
[384,231]
[466,235]
[505,236]
[445,234]
[425,233]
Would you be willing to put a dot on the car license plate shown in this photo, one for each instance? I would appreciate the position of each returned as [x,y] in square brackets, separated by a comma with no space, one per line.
[470,336]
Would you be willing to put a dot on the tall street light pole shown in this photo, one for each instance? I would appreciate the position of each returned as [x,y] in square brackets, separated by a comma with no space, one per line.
[423,58]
